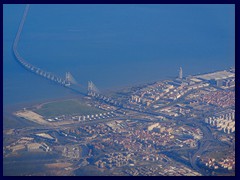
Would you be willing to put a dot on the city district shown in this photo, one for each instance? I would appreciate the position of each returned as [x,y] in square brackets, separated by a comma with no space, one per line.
[179,127]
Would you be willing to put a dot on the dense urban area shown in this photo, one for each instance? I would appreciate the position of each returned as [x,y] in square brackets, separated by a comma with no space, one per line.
[178,127]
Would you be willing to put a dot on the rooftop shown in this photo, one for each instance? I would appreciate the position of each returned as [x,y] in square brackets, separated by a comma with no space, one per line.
[216,75]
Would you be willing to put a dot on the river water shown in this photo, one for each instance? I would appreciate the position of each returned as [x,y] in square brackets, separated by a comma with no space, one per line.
[113,45]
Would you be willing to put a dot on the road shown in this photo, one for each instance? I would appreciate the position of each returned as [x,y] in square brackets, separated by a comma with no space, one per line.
[204,143]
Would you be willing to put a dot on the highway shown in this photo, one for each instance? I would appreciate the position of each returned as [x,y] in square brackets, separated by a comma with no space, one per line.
[204,144]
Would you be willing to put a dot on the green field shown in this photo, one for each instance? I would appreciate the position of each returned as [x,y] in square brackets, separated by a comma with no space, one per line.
[66,107]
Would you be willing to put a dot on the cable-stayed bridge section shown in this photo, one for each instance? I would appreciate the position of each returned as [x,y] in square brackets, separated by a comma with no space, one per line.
[65,82]
[69,80]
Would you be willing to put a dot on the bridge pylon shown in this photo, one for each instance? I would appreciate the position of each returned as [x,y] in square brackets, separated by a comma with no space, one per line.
[67,79]
[92,89]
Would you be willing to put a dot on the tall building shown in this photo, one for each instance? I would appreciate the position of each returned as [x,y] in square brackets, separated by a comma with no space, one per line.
[180,73]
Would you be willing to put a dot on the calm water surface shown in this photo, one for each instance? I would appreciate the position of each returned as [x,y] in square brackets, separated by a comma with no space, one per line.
[113,45]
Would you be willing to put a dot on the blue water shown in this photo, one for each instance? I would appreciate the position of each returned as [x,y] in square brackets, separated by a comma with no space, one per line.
[113,45]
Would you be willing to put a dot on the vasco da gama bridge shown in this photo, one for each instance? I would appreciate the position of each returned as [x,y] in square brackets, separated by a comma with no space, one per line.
[68,81]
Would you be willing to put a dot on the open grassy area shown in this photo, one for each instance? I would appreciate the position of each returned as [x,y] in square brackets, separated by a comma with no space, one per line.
[66,107]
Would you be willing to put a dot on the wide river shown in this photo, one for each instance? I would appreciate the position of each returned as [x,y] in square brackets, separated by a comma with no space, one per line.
[113,45]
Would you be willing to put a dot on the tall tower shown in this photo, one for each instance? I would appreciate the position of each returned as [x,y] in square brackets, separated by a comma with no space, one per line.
[67,79]
[90,86]
[92,89]
[180,73]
